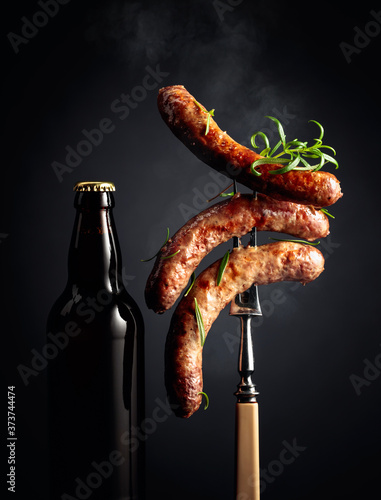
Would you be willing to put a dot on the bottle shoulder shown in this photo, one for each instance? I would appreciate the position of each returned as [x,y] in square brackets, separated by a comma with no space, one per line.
[128,300]
[90,306]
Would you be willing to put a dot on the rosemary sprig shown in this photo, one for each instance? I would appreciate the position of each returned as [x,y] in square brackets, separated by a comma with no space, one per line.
[299,153]
[192,280]
[313,243]
[223,264]
[325,211]
[169,256]
[206,399]
[209,113]
[222,193]
[157,253]
[200,322]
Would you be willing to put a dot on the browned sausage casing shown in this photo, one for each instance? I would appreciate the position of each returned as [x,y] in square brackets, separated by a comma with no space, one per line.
[218,150]
[217,224]
[270,263]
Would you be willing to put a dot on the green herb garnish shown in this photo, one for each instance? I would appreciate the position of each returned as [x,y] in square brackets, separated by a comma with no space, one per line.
[325,211]
[200,322]
[222,193]
[298,241]
[169,256]
[222,267]
[192,280]
[298,152]
[210,113]
[157,253]
[206,399]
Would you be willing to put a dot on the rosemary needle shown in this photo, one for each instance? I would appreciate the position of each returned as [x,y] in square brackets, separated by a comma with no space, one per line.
[206,399]
[221,269]
[200,322]
[157,253]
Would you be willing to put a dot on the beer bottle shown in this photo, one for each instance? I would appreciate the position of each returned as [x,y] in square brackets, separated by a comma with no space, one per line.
[96,381]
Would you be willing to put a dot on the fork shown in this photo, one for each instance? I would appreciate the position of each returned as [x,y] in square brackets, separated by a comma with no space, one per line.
[247,475]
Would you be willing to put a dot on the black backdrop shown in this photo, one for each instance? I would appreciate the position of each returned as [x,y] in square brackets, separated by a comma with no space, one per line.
[318,351]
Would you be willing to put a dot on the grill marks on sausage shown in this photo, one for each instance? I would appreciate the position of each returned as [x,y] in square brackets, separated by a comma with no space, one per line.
[216,225]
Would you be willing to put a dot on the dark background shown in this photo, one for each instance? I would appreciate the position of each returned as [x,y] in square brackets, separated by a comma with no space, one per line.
[250,60]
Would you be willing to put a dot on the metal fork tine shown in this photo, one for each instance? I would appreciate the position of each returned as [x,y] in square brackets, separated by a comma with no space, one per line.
[235,238]
[247,302]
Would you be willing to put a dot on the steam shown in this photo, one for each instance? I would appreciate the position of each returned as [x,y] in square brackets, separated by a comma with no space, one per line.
[190,34]
[222,61]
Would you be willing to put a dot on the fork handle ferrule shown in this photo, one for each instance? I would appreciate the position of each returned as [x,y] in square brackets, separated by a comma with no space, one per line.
[246,392]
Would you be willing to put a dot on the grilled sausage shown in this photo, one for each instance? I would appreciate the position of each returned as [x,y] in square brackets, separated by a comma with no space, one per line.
[188,121]
[217,224]
[270,263]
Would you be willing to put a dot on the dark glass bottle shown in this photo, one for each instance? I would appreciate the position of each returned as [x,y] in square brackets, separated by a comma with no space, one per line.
[96,378]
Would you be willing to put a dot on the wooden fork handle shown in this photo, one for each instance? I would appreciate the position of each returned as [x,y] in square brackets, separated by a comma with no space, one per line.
[247,452]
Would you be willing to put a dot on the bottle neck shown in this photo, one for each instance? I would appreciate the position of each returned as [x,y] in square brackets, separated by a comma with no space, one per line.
[94,256]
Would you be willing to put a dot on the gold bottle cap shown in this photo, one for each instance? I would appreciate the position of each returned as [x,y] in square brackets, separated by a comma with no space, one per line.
[94,186]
